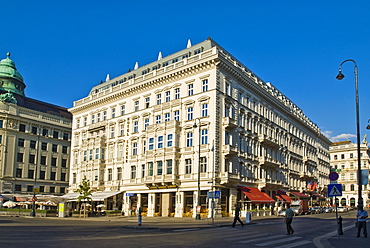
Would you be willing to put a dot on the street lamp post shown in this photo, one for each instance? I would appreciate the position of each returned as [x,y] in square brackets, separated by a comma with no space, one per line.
[197,217]
[33,211]
[340,76]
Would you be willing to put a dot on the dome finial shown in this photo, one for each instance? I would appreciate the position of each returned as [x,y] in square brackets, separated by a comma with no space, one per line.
[8,54]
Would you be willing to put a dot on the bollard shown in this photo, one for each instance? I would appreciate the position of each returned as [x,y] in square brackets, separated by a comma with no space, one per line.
[340,225]
[139,217]
[248,218]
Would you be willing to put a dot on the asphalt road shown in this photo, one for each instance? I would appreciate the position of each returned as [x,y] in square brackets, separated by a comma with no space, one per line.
[267,232]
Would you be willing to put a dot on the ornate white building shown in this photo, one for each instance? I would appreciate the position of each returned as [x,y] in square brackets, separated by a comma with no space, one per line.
[149,132]
[34,140]
[343,159]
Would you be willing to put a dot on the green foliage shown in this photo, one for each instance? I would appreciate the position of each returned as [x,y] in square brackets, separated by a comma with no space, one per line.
[84,190]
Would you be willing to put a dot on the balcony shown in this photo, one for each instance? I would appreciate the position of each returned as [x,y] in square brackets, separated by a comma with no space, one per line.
[267,141]
[229,149]
[162,181]
[227,122]
[268,161]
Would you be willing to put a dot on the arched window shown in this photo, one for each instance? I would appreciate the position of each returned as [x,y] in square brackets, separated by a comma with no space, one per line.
[352,187]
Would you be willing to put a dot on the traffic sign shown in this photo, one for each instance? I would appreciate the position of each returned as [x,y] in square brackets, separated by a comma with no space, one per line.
[333,176]
[214,194]
[334,190]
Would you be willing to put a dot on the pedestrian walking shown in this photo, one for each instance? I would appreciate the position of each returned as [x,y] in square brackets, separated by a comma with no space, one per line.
[361,221]
[288,220]
[237,216]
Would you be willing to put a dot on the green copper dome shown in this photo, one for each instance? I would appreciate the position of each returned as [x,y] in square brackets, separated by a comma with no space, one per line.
[8,69]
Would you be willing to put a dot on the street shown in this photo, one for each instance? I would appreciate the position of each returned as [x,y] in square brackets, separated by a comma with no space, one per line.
[266,232]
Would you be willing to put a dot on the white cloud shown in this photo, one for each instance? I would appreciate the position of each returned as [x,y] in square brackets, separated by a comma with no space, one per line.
[340,137]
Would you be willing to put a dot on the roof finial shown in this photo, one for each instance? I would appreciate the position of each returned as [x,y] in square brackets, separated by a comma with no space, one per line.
[189,44]
[136,66]
[159,55]
[8,54]
[107,78]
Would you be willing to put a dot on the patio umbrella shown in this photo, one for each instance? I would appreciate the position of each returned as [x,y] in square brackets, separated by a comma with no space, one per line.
[9,204]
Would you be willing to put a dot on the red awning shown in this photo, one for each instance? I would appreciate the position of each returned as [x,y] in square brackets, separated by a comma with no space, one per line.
[279,198]
[286,198]
[299,194]
[256,196]
[319,196]
[19,199]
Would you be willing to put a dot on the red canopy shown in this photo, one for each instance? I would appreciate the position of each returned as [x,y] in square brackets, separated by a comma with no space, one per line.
[256,196]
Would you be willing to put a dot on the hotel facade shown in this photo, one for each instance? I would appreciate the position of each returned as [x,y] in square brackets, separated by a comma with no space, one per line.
[193,122]
[343,159]
[35,139]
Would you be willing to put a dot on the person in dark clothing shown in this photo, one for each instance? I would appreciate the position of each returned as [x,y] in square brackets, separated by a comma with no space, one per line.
[288,220]
[237,216]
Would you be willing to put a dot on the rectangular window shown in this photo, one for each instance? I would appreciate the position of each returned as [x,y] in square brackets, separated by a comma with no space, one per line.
[119,173]
[159,99]
[85,121]
[227,89]
[227,138]
[113,112]
[134,148]
[31,158]
[122,129]
[44,146]
[169,166]
[167,117]
[160,142]
[204,136]
[1,123]
[31,174]
[62,176]
[142,170]
[136,105]
[90,154]
[188,166]
[205,110]
[136,126]
[203,164]
[147,102]
[20,157]
[151,143]
[98,117]
[53,175]
[22,128]
[169,140]
[190,89]
[133,172]
[42,174]
[53,161]
[176,115]
[85,156]
[45,132]
[158,119]
[190,113]
[123,109]
[64,163]
[33,144]
[18,188]
[92,119]
[55,134]
[205,85]
[21,142]
[177,93]
[159,167]
[146,123]
[189,139]
[62,190]
[150,169]
[120,150]
[64,149]
[97,153]
[43,160]
[18,172]
[168,96]
[42,189]
[105,114]
[112,132]
[109,174]
[54,148]
[34,130]
[29,188]
[52,189]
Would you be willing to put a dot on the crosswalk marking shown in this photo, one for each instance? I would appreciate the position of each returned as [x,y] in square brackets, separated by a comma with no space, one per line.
[250,234]
[303,242]
[273,242]
[262,239]
[186,230]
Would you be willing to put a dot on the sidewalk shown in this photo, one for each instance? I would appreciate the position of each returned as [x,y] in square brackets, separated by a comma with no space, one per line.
[348,239]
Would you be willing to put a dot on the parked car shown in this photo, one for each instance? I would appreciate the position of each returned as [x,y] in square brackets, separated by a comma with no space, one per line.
[311,211]
[327,210]
[341,209]
[281,213]
[317,210]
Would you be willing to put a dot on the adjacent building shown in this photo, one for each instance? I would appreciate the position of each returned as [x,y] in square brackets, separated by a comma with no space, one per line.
[193,122]
[344,160]
[34,140]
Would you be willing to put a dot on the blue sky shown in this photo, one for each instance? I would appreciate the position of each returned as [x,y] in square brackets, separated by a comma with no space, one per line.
[64,48]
